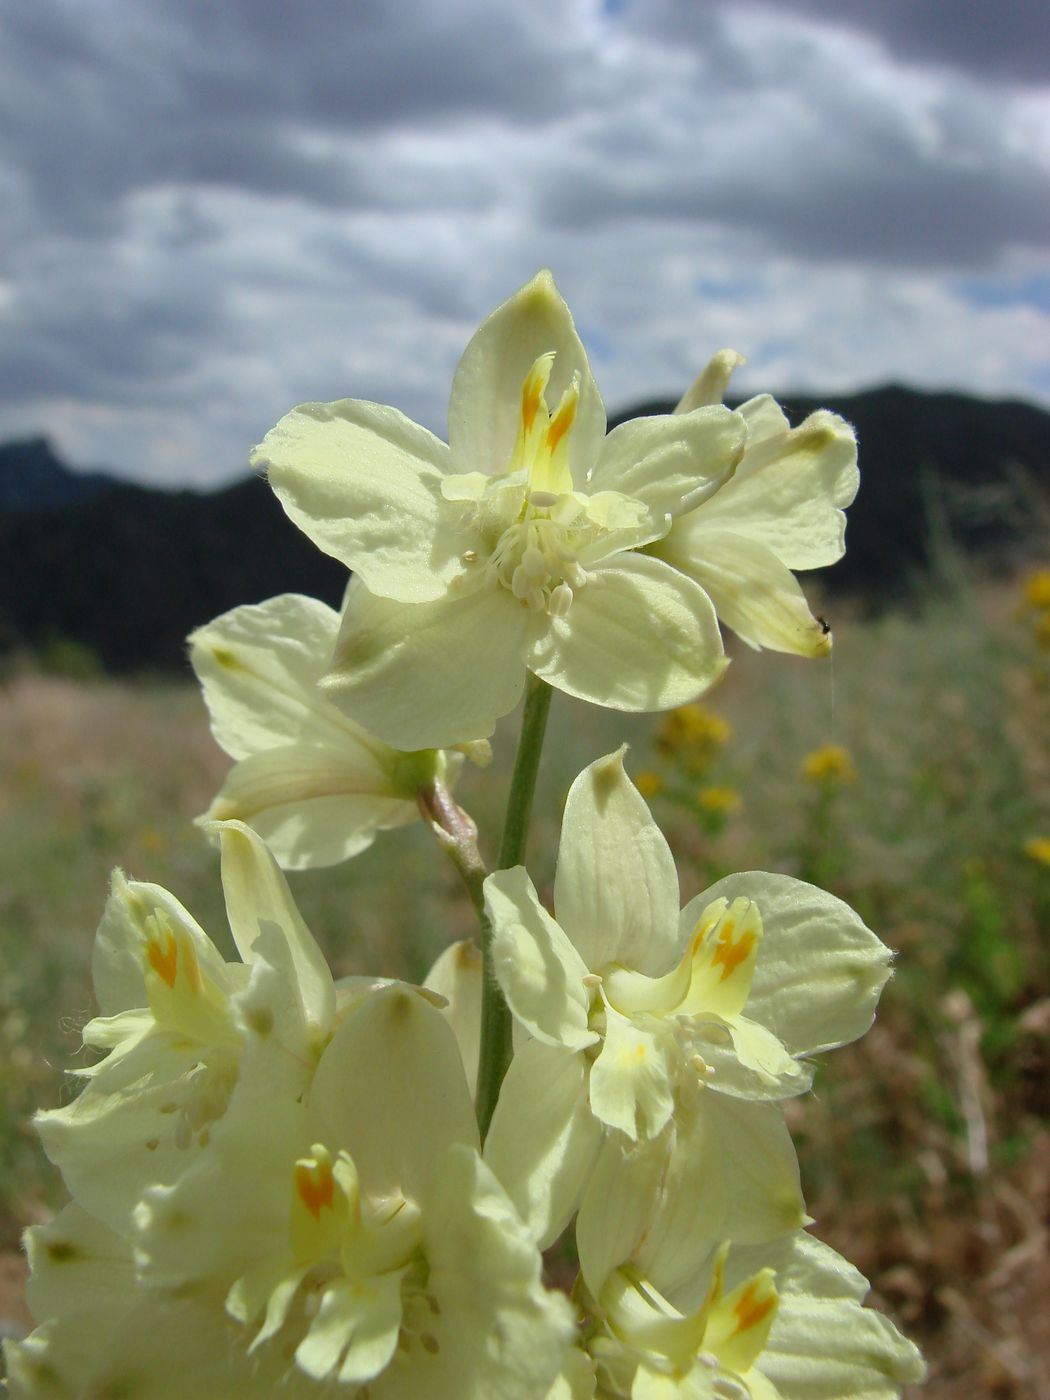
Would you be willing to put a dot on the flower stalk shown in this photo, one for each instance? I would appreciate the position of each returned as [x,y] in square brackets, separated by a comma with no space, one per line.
[496,1046]
[457,834]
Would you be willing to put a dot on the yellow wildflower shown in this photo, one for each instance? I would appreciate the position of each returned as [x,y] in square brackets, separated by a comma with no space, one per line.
[1036,589]
[694,727]
[830,764]
[1038,848]
[649,783]
[721,800]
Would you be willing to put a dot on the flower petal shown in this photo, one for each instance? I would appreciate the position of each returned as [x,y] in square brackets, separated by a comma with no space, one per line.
[390,1090]
[354,1333]
[257,895]
[711,383]
[820,970]
[639,636]
[539,971]
[484,411]
[76,1261]
[791,489]
[457,976]
[430,675]
[543,1137]
[616,887]
[755,594]
[313,805]
[135,912]
[496,1331]
[672,462]
[259,666]
[630,1084]
[824,1343]
[617,1205]
[731,1173]
[364,483]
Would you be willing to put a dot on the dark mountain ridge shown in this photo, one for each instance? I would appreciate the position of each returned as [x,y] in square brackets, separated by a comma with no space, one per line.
[33,478]
[128,571]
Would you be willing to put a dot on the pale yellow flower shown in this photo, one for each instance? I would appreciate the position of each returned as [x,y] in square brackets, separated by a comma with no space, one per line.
[517,547]
[781,511]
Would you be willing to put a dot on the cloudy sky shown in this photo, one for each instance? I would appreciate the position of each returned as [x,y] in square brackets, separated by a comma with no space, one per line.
[211,210]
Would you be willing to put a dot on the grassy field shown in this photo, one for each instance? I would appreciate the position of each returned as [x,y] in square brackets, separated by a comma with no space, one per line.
[911,775]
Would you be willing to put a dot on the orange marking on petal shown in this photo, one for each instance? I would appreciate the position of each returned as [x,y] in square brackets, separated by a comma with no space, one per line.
[531,398]
[729,954]
[750,1309]
[561,423]
[315,1185]
[164,961]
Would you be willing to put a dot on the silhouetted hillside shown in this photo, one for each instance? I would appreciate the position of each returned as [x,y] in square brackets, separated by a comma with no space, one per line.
[32,478]
[129,571]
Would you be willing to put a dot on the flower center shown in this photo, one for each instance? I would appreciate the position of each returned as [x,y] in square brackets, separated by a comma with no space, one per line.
[540,531]
[536,559]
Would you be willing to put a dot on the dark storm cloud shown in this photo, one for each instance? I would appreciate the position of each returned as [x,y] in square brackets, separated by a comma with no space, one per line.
[909,212]
[1008,40]
[210,209]
[105,99]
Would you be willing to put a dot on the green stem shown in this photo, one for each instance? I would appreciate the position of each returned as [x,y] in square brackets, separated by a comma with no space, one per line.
[496,1047]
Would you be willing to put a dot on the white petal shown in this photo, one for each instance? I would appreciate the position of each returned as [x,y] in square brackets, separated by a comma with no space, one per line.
[257,894]
[754,593]
[229,1209]
[117,960]
[765,419]
[617,1206]
[312,806]
[539,971]
[364,483]
[485,407]
[259,667]
[638,636]
[543,1138]
[790,491]
[731,1173]
[390,1090]
[711,383]
[616,887]
[824,1344]
[355,1331]
[75,1260]
[496,1332]
[430,675]
[671,462]
[819,971]
[112,1142]
[456,976]
[139,1351]
[631,1081]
